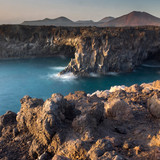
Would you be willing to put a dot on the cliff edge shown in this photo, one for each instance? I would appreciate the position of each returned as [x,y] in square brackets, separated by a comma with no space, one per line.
[93,50]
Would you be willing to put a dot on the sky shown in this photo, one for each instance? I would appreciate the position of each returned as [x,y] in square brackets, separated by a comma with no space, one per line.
[17,11]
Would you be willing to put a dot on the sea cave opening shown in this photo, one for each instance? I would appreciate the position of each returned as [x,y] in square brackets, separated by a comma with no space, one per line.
[153,57]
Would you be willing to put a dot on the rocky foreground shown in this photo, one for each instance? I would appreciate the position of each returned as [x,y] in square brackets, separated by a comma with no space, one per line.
[119,124]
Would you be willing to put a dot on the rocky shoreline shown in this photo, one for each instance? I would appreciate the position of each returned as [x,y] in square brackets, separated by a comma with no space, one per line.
[116,124]
[92,49]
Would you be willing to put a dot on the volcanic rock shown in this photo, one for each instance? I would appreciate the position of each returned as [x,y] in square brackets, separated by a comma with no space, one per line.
[154,106]
[80,127]
[118,109]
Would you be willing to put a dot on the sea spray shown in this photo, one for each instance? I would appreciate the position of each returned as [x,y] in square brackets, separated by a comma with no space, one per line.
[58,68]
[65,77]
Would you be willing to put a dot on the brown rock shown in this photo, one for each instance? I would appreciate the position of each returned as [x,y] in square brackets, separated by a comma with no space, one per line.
[99,148]
[134,88]
[42,119]
[118,109]
[36,149]
[154,106]
[8,118]
[56,157]
[73,149]
[90,118]
[156,84]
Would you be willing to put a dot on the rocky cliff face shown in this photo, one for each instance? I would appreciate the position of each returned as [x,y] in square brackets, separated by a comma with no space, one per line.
[96,50]
[114,50]
[29,41]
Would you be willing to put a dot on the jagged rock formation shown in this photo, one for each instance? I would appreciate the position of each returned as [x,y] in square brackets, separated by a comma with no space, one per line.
[84,127]
[28,41]
[96,50]
[115,50]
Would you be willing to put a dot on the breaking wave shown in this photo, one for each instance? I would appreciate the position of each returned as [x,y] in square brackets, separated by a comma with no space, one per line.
[112,73]
[151,66]
[94,75]
[59,68]
[65,77]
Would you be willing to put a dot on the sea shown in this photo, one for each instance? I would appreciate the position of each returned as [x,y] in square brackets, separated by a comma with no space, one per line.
[38,78]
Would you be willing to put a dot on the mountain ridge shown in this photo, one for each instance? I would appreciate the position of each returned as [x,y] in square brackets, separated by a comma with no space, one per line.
[134,18]
[106,19]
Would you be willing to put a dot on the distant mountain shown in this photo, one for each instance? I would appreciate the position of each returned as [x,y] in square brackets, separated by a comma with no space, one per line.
[85,23]
[60,21]
[134,19]
[106,19]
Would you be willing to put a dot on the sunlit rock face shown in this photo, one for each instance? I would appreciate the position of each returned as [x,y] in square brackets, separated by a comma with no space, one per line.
[122,124]
[93,50]
[115,50]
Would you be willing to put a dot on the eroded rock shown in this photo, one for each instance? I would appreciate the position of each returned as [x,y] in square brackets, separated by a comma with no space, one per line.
[154,106]
[156,84]
[78,126]
[99,148]
[56,157]
[118,110]
[42,119]
[8,118]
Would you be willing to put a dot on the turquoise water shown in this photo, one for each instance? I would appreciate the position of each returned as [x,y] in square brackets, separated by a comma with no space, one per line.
[38,78]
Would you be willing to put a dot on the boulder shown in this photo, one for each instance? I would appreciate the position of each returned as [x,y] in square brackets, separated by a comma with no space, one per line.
[42,119]
[111,156]
[87,122]
[36,149]
[134,88]
[153,105]
[146,90]
[56,157]
[57,141]
[100,94]
[8,118]
[156,84]
[85,125]
[44,156]
[99,148]
[27,116]
[118,110]
[73,149]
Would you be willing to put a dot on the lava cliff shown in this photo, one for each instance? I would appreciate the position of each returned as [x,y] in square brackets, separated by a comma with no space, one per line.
[93,50]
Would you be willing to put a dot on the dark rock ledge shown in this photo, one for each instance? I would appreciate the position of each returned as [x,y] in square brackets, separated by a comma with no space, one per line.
[119,124]
[93,50]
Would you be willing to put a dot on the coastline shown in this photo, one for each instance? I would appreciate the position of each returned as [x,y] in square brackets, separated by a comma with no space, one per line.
[93,50]
[115,123]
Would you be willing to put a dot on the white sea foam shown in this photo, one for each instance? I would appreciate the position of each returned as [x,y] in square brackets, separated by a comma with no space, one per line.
[59,68]
[65,77]
[62,56]
[151,66]
[94,75]
[112,73]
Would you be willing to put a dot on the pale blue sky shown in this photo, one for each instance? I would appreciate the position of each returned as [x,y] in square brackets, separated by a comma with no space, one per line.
[16,11]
